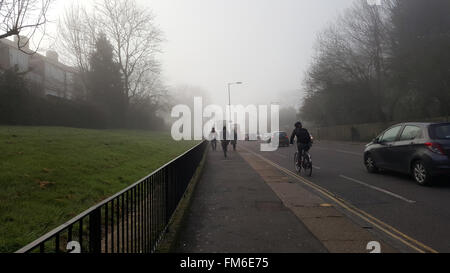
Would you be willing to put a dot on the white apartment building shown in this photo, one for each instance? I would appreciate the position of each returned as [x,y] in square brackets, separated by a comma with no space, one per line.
[45,74]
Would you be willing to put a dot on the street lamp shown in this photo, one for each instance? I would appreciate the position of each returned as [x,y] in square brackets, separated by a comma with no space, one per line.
[229,97]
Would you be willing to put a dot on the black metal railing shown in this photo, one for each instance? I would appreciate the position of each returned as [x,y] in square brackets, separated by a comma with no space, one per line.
[133,220]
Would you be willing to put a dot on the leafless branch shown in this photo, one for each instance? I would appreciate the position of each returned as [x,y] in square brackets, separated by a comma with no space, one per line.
[23,18]
[132,32]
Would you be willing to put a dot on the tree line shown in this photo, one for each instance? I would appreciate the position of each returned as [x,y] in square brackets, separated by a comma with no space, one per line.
[114,47]
[379,63]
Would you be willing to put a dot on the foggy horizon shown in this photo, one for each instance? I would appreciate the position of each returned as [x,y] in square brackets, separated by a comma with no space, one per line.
[268,45]
[118,137]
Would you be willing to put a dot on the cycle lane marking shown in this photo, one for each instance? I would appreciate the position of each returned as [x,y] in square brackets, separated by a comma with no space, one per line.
[378,189]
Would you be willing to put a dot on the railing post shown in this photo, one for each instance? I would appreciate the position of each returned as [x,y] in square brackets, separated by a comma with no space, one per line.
[95,231]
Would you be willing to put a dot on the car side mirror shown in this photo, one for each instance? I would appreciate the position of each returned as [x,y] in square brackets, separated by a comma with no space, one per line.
[376,141]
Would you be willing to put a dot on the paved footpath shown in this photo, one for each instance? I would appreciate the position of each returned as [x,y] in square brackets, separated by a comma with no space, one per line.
[242,205]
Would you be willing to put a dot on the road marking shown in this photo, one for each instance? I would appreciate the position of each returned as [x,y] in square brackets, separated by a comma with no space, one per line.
[316,167]
[280,155]
[382,226]
[339,151]
[350,153]
[378,189]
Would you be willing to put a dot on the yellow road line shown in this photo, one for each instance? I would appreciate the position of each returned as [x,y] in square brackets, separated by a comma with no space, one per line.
[405,239]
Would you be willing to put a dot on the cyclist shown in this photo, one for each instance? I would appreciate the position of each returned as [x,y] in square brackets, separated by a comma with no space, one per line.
[304,141]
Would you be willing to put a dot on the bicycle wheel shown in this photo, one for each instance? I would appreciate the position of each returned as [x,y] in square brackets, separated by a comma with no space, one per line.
[296,164]
[308,165]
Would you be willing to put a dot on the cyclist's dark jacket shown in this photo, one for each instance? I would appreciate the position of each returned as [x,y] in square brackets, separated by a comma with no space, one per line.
[303,136]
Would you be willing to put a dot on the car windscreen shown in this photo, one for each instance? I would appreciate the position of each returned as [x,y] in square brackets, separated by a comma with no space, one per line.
[282,134]
[440,131]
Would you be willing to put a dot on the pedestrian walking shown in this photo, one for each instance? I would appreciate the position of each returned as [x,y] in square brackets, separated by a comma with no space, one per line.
[213,139]
[225,141]
[235,138]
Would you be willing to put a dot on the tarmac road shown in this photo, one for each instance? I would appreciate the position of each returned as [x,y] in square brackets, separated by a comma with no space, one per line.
[415,218]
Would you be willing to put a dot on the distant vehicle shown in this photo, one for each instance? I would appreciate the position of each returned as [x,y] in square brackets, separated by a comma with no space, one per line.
[251,137]
[419,149]
[283,139]
[265,137]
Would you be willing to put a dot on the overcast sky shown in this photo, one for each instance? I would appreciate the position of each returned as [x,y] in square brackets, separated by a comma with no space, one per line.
[267,44]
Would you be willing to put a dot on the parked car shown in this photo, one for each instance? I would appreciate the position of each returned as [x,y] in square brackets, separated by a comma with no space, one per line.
[419,149]
[283,139]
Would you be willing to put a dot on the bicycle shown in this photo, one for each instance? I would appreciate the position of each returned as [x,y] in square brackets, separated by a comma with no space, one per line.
[306,165]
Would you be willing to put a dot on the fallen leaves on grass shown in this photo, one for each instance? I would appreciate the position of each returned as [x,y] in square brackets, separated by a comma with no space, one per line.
[72,214]
[70,196]
[44,184]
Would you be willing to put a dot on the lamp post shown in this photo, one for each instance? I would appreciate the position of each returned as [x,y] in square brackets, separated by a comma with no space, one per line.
[229,98]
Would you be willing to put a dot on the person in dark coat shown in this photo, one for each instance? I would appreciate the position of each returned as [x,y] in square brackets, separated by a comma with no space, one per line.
[235,138]
[225,141]
[304,140]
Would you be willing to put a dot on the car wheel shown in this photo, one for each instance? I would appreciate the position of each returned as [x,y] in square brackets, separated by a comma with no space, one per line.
[421,174]
[370,164]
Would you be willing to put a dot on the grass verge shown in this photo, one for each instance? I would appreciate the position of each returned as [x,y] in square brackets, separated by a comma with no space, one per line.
[48,175]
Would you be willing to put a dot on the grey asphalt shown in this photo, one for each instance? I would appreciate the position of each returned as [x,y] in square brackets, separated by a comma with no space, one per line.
[422,213]
[234,211]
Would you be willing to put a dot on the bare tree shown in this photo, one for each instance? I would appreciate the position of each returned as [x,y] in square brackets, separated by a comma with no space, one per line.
[133,34]
[381,63]
[351,64]
[136,39]
[76,37]
[22,18]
